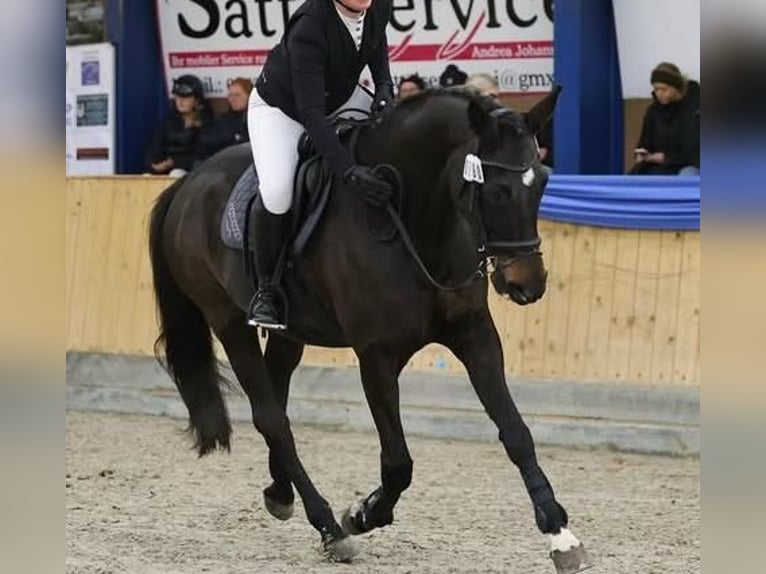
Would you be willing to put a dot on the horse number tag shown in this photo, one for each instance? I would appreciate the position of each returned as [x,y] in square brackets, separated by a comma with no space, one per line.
[472,169]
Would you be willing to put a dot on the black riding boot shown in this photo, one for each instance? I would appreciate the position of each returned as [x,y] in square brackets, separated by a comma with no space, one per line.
[267,237]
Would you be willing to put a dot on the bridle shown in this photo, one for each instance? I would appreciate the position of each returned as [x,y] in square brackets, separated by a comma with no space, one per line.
[487,251]
[517,249]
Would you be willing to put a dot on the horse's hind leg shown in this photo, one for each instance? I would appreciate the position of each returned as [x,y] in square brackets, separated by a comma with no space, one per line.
[476,344]
[282,356]
[241,345]
[379,373]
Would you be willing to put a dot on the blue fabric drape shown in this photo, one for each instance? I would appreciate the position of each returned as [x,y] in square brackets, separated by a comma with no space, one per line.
[633,202]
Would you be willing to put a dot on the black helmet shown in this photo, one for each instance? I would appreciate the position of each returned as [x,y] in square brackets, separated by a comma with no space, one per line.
[188,85]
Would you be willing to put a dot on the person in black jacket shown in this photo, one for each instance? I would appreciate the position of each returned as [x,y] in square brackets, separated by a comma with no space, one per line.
[670,137]
[312,72]
[230,128]
[173,150]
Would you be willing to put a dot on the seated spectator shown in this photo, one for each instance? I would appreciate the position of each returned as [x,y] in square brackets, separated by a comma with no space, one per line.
[670,141]
[452,76]
[230,128]
[484,84]
[409,86]
[173,149]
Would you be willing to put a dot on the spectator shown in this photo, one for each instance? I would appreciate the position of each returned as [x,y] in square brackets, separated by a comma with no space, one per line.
[484,84]
[409,86]
[173,149]
[452,76]
[230,128]
[670,141]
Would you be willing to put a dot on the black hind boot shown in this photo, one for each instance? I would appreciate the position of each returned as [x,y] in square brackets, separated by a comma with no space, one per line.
[268,237]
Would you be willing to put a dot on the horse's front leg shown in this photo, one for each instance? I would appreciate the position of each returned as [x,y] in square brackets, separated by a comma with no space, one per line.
[475,342]
[380,370]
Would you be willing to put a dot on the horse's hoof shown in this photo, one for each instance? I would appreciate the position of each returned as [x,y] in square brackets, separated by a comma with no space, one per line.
[572,561]
[340,549]
[347,521]
[277,509]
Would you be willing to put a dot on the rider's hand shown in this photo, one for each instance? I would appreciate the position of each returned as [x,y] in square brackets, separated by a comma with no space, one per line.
[384,98]
[377,191]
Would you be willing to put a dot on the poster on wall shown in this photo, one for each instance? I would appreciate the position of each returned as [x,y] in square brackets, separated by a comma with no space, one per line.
[90,93]
[218,40]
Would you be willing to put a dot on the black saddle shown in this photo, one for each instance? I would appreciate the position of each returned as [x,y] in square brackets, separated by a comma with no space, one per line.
[312,187]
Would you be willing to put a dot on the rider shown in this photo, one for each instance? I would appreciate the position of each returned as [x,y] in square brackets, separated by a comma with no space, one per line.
[311,73]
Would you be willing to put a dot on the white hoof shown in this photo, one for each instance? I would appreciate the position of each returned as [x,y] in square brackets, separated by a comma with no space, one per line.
[572,561]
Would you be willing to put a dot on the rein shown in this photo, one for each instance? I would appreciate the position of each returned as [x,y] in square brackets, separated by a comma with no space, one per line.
[481,270]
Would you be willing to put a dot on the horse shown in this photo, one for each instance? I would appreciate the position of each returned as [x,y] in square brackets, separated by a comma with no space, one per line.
[469,189]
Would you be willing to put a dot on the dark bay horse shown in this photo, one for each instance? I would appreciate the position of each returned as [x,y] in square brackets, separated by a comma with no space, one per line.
[471,187]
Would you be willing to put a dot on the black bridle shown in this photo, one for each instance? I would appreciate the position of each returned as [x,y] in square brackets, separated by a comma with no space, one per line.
[520,248]
[487,251]
[516,249]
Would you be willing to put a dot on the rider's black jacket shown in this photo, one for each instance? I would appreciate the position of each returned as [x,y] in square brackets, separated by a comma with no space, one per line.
[316,67]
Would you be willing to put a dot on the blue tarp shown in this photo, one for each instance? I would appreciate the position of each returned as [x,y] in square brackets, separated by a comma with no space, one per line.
[633,202]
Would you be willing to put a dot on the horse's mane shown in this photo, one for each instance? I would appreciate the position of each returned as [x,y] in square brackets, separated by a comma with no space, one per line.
[469,95]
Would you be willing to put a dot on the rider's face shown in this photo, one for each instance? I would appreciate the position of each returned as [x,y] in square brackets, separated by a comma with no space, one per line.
[357,5]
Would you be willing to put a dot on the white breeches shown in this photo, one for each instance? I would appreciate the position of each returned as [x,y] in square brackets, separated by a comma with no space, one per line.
[274,141]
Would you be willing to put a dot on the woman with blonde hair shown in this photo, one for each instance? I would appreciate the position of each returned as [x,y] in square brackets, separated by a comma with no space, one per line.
[484,84]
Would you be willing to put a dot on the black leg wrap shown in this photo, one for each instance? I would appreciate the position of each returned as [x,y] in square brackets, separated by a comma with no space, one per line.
[549,514]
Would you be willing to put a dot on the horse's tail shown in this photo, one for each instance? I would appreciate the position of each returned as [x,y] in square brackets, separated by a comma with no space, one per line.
[187,343]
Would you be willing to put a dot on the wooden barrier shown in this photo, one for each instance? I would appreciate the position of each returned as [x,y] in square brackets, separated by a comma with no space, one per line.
[621,305]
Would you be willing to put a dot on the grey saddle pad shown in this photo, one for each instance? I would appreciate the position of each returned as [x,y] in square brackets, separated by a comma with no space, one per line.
[235,212]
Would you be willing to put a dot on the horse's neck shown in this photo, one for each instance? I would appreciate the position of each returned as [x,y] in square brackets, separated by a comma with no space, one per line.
[427,156]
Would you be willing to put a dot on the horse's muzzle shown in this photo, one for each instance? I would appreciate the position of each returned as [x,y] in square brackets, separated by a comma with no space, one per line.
[522,280]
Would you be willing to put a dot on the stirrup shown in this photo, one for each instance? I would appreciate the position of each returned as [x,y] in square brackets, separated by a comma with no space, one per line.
[276,326]
[265,320]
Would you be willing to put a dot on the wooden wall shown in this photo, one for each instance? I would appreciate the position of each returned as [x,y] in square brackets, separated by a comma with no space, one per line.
[622,306]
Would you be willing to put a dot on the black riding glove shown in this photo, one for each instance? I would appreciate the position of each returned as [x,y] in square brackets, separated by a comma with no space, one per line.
[382,99]
[377,191]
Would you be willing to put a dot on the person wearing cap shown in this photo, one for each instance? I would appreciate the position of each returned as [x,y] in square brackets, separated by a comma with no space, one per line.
[410,86]
[173,150]
[452,76]
[312,72]
[670,136]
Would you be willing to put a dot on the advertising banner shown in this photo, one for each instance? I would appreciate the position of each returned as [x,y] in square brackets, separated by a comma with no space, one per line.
[218,40]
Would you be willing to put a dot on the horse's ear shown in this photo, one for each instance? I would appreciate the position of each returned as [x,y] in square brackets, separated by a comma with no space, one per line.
[542,110]
[480,121]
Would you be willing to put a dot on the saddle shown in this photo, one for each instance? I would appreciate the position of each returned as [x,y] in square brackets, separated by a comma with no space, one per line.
[312,187]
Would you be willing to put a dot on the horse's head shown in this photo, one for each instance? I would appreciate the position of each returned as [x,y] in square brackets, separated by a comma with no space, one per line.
[504,183]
